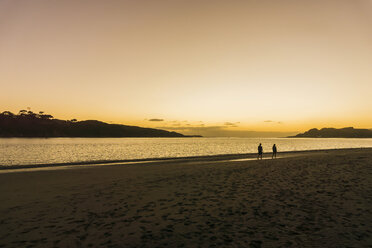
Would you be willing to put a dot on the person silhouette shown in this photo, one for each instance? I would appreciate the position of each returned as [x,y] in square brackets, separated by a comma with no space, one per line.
[274,151]
[260,152]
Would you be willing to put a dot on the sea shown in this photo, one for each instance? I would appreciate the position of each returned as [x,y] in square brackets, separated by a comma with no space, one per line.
[49,151]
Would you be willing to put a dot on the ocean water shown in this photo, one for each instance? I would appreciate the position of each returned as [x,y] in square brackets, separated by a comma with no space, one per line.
[26,151]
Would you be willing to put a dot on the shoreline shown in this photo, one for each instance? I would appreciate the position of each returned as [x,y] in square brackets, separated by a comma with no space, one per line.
[145,161]
[310,199]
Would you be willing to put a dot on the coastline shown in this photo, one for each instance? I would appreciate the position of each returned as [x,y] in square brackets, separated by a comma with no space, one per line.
[145,161]
[312,199]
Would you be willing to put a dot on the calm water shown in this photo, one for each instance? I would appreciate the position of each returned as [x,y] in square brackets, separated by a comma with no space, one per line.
[18,151]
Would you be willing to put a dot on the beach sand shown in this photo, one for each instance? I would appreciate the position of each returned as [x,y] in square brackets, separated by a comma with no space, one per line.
[312,199]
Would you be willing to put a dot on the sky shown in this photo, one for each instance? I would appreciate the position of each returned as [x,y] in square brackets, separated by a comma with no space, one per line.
[216,68]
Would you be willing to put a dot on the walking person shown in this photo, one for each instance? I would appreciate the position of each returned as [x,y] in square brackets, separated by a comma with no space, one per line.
[260,150]
[274,151]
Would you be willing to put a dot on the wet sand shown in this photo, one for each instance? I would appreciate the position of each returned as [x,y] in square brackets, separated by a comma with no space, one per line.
[311,199]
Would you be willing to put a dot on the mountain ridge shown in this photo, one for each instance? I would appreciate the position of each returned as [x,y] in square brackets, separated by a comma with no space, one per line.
[346,132]
[32,125]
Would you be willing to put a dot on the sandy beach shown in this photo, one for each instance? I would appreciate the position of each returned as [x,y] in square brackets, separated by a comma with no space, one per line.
[310,199]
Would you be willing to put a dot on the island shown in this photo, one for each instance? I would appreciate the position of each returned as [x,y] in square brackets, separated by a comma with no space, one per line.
[347,132]
[30,124]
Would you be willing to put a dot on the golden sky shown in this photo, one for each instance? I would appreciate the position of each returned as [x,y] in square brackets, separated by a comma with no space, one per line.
[259,65]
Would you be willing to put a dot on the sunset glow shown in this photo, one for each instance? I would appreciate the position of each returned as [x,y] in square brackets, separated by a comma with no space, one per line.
[267,66]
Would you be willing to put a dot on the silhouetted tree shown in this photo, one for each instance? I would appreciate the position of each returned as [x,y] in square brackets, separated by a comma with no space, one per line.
[22,112]
[7,113]
[31,114]
[46,117]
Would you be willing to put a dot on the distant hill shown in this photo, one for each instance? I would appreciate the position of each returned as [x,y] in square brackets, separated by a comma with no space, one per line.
[347,132]
[29,124]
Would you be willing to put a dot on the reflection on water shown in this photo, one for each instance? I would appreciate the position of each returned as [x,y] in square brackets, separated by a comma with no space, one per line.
[18,151]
